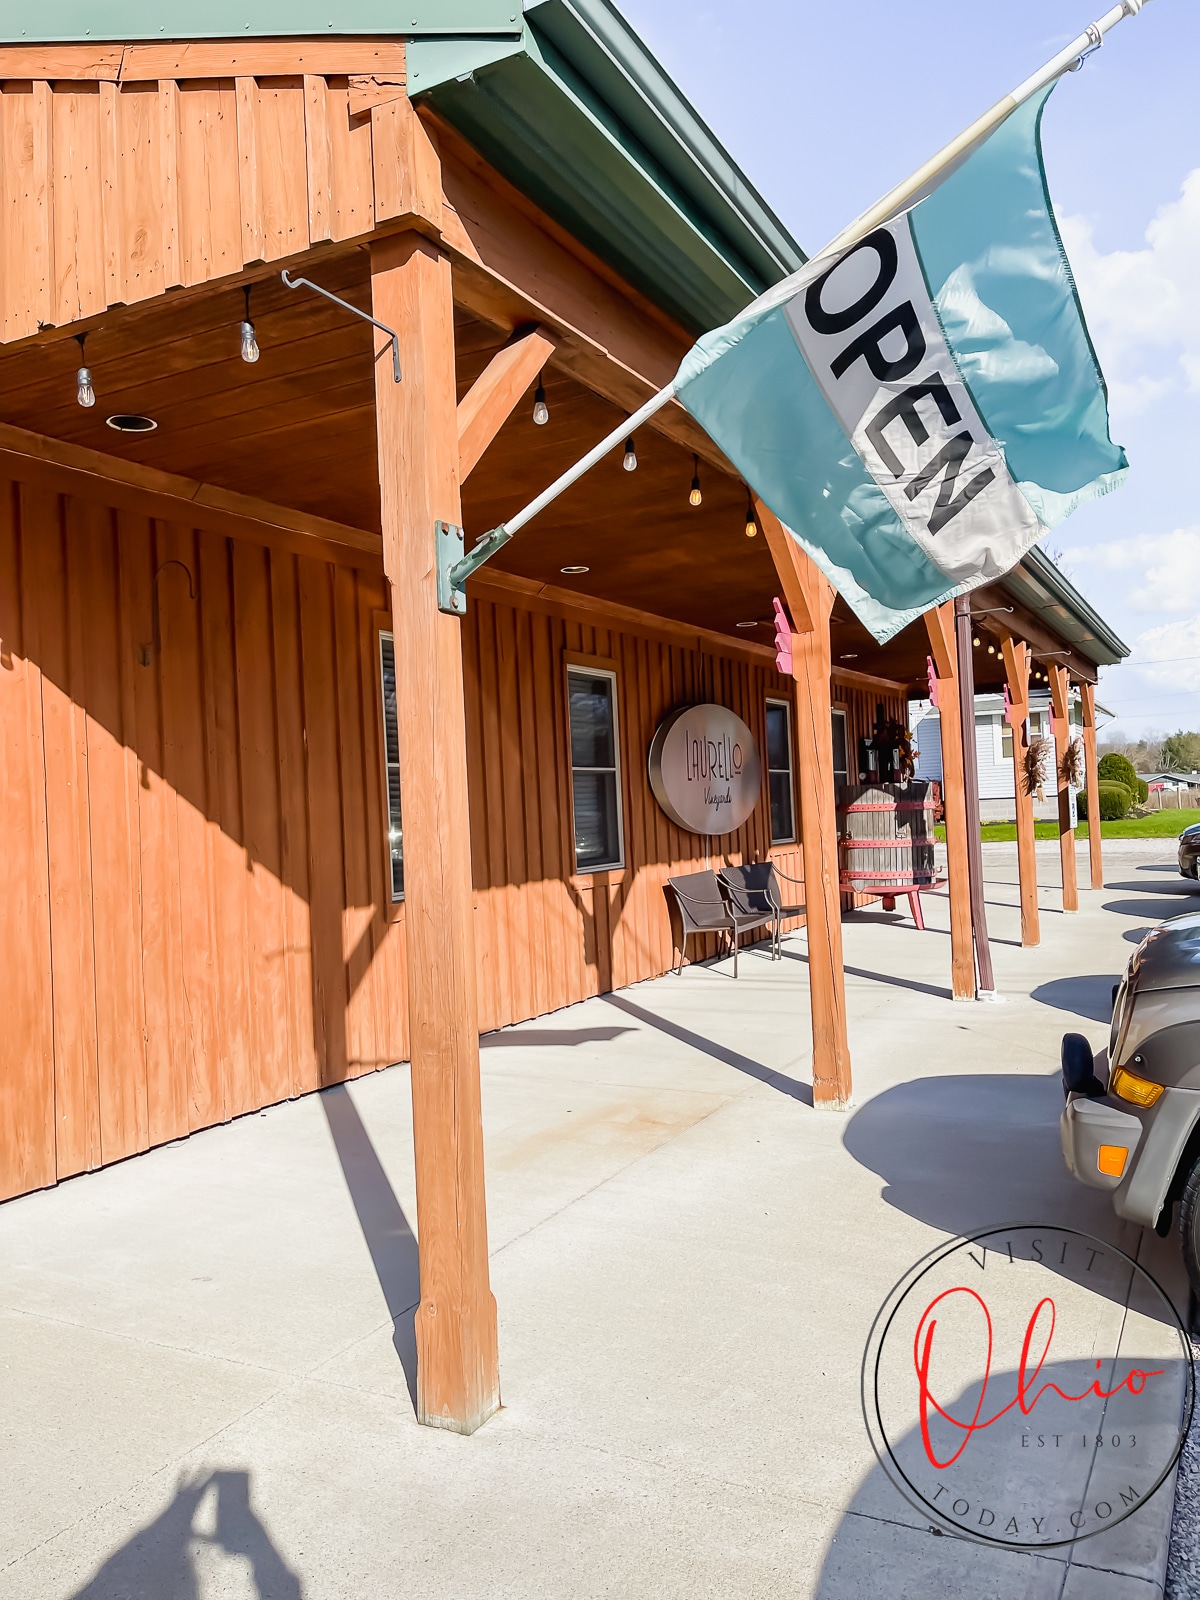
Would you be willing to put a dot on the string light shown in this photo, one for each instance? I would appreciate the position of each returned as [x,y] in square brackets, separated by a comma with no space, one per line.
[751,525]
[991,649]
[975,642]
[84,392]
[541,411]
[250,350]
[695,497]
[630,461]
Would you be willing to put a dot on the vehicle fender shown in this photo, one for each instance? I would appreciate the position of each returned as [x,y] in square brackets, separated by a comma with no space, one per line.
[1171,1134]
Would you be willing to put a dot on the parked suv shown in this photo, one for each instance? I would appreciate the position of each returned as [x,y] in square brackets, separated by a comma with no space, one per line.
[1137,1133]
[1189,851]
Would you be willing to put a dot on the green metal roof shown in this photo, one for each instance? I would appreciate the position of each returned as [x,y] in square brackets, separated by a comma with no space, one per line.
[75,21]
[1043,589]
[582,119]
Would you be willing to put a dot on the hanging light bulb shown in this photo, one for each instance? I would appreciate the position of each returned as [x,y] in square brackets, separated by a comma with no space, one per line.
[630,461]
[541,411]
[991,649]
[250,351]
[84,392]
[975,642]
[695,497]
[751,525]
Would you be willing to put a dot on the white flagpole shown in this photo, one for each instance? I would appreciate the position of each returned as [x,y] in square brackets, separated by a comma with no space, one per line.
[894,201]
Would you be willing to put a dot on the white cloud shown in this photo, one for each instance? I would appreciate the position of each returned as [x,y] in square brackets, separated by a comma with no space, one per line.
[1141,305]
[1172,653]
[1164,567]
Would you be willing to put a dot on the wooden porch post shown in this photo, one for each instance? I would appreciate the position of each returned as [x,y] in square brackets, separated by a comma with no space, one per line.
[458,1384]
[1016,667]
[1059,686]
[810,597]
[939,624]
[1087,693]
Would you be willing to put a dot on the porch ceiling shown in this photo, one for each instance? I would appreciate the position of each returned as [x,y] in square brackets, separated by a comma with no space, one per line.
[297,428]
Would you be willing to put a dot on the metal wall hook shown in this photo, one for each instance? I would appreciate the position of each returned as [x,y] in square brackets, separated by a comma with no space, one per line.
[155,620]
[296,283]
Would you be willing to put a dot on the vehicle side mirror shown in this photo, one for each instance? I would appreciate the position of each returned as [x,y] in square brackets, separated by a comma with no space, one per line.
[1079,1067]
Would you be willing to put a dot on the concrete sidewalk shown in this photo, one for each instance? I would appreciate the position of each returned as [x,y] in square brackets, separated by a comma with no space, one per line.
[206,1352]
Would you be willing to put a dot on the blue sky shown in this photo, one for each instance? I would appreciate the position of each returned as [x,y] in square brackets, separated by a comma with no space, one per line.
[825,106]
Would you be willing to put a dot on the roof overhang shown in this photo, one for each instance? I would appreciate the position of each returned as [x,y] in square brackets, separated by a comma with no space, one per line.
[1042,589]
[578,115]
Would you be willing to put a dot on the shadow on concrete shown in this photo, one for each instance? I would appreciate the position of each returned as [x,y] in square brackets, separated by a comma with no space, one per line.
[385,1228]
[1152,910]
[966,1152]
[933,989]
[516,1039]
[881,1526]
[719,1052]
[1185,888]
[1087,996]
[208,1513]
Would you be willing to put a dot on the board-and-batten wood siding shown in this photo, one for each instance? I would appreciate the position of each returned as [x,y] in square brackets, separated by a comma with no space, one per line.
[195,918]
[193,912]
[546,936]
[126,171]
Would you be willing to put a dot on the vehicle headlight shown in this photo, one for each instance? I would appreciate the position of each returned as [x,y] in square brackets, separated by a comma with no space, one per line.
[1138,1091]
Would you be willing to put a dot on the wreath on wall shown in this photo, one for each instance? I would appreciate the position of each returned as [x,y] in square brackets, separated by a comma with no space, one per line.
[1036,765]
[1070,768]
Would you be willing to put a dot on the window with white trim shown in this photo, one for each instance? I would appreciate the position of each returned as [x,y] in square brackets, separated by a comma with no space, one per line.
[779,772]
[391,756]
[595,769]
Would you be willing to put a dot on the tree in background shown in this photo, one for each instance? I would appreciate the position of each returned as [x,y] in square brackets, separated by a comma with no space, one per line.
[1181,752]
[1115,768]
[1144,754]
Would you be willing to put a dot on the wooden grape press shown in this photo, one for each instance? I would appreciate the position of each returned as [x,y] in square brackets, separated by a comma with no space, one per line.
[886,823]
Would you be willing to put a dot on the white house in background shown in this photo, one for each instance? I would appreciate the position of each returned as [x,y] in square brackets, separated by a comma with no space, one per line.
[993,739]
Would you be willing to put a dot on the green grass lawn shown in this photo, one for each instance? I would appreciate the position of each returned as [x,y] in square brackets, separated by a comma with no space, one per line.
[1158,825]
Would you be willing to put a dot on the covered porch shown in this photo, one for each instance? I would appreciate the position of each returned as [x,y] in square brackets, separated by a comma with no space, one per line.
[210,1349]
[274,820]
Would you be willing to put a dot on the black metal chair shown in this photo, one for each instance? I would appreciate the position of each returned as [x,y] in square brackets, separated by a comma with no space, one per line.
[701,906]
[754,890]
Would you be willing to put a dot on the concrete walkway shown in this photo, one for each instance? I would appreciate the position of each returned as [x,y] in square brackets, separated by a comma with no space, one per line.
[205,1353]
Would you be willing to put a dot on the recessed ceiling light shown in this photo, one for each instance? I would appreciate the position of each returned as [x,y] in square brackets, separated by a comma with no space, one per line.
[574,572]
[851,656]
[747,624]
[127,423]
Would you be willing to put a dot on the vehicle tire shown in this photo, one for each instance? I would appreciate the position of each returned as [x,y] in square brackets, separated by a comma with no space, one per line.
[1189,1226]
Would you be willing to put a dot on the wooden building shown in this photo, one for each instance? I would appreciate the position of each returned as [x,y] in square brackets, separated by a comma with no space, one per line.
[223,672]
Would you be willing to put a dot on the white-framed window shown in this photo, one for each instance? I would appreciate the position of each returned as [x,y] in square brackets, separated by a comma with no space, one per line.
[391,757]
[595,769]
[779,772]
[1006,741]
[841,748]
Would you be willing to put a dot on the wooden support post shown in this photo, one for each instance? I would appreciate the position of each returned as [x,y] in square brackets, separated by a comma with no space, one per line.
[939,624]
[488,404]
[1087,693]
[458,1385]
[1059,694]
[810,597]
[1016,667]
[966,716]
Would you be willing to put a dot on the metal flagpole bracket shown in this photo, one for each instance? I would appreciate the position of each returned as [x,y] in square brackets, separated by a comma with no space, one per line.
[454,568]
[307,283]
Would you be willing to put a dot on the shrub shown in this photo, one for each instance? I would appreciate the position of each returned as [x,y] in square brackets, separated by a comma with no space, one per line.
[1143,791]
[1114,768]
[1115,801]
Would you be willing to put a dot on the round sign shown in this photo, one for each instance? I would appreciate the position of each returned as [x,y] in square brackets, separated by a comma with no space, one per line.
[704,769]
[1028,1386]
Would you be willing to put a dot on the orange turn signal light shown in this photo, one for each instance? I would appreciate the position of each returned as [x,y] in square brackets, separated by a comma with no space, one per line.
[1138,1091]
[1111,1159]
